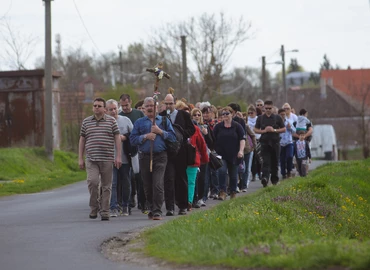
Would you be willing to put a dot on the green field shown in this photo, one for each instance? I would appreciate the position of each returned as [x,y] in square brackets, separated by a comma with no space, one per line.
[27,170]
[318,222]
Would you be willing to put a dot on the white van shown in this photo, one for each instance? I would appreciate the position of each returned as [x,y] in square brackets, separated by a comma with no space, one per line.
[324,142]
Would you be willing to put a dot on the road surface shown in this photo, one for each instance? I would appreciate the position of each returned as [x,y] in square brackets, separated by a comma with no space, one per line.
[51,230]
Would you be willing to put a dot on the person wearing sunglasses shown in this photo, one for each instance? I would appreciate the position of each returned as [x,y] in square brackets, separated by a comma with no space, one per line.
[270,125]
[230,142]
[100,157]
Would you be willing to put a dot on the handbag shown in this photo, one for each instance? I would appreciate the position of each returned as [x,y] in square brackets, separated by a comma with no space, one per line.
[191,153]
[241,166]
[215,161]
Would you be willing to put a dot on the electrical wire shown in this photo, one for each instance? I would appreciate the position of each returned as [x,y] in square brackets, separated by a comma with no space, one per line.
[97,48]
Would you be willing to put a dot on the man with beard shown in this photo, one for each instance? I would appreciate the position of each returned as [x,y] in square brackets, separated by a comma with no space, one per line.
[175,179]
[143,135]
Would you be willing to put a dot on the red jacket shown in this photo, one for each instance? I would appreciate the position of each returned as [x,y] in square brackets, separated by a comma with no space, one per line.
[199,143]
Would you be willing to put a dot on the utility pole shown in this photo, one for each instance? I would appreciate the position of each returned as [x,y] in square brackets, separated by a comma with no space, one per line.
[282,53]
[185,85]
[120,64]
[48,109]
[263,75]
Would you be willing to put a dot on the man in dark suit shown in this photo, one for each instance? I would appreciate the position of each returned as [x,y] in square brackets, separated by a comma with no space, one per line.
[175,179]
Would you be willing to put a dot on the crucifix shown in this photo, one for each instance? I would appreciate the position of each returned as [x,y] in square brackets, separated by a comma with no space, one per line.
[159,74]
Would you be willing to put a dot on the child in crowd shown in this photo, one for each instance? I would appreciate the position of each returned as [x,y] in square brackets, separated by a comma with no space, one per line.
[302,153]
[302,121]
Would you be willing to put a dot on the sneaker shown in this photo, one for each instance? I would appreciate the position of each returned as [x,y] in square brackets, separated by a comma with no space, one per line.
[215,197]
[237,190]
[233,195]
[105,218]
[222,196]
[253,178]
[113,213]
[182,212]
[196,205]
[145,211]
[244,190]
[264,182]
[125,211]
[157,217]
[170,213]
[150,215]
[201,203]
[289,175]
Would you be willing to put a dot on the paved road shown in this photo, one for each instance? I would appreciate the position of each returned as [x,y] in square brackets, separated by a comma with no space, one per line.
[52,231]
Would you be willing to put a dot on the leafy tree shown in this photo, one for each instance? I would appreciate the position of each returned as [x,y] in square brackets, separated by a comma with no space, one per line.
[294,66]
[211,40]
[326,65]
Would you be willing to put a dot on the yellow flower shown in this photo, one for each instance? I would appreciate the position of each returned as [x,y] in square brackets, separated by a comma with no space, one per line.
[360,198]
[256,213]
[218,219]
[321,217]
[277,218]
[18,181]
[344,208]
[349,220]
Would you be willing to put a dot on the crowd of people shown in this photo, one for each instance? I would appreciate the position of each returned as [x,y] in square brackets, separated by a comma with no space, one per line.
[126,152]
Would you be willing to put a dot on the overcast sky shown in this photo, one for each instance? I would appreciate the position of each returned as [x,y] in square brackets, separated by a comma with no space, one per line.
[339,28]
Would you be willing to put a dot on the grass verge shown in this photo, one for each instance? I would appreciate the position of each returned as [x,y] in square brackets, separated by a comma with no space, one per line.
[28,170]
[318,222]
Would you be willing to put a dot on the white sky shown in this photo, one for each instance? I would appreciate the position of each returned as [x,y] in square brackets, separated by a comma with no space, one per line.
[339,28]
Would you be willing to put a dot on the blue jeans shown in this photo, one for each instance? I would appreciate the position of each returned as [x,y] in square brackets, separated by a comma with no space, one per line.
[246,176]
[123,175]
[286,159]
[232,169]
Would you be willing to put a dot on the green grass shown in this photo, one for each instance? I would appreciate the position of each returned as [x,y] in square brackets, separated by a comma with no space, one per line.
[318,222]
[27,170]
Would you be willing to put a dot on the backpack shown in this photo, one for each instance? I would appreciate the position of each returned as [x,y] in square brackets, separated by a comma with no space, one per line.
[173,147]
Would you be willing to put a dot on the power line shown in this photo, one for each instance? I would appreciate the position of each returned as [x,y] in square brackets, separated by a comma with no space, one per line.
[87,31]
[96,46]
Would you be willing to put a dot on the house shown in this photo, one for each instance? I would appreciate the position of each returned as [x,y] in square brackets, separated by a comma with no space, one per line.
[342,100]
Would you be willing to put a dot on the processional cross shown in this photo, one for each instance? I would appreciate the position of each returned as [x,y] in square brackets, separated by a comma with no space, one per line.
[159,74]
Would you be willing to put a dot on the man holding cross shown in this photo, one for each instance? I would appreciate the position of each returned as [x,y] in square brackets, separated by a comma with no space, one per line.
[147,130]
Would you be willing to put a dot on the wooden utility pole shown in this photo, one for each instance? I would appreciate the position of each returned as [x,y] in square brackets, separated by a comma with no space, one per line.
[185,85]
[120,64]
[263,75]
[282,53]
[48,109]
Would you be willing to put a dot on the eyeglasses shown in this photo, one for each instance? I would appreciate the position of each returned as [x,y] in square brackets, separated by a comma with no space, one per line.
[98,106]
[168,104]
[250,112]
[197,114]
[112,109]
[286,108]
[259,105]
[268,108]
[225,113]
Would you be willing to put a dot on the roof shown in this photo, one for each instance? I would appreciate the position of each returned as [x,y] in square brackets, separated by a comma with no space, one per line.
[353,82]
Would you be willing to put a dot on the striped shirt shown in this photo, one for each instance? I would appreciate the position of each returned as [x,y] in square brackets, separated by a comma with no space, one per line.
[99,137]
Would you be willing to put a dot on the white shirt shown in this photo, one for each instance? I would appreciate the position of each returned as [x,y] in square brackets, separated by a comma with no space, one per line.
[125,126]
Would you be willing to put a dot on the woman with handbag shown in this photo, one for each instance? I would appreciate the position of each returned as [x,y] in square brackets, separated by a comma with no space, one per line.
[202,182]
[230,143]
[201,157]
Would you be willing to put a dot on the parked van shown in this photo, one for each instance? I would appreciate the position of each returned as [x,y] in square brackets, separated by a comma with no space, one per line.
[324,142]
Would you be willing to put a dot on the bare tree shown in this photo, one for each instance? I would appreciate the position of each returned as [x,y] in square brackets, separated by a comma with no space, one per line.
[18,47]
[211,40]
